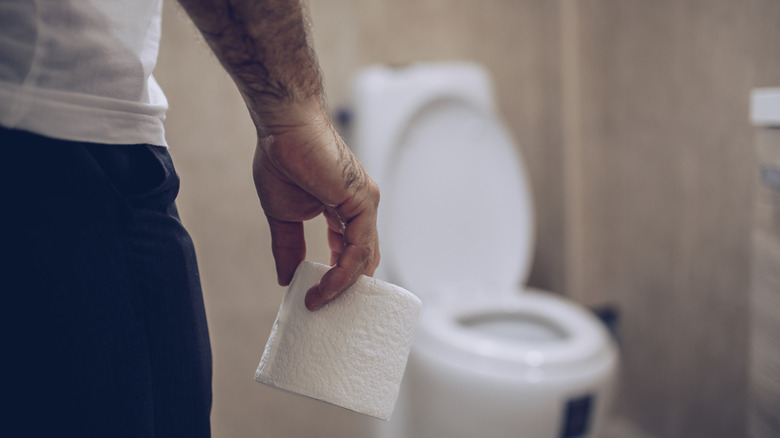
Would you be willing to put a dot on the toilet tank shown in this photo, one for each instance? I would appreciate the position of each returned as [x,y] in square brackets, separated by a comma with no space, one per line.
[384,98]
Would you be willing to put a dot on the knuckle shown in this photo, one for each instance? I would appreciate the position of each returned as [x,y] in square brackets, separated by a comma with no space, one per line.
[373,191]
[276,154]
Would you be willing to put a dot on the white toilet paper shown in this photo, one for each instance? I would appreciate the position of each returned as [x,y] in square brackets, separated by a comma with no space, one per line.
[351,353]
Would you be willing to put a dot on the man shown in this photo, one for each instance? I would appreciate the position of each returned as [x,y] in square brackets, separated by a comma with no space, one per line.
[104,310]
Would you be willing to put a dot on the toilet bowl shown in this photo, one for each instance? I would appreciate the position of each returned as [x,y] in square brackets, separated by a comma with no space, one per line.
[491,357]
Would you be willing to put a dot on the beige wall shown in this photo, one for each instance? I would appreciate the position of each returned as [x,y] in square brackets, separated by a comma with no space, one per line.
[632,117]
[660,212]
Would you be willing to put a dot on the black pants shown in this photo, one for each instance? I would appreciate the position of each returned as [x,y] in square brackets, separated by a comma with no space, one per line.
[103,319]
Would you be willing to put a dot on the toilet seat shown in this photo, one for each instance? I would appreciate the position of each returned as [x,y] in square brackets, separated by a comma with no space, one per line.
[569,342]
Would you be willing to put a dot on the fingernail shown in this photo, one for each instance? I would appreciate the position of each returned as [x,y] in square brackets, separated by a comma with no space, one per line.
[282,278]
[313,299]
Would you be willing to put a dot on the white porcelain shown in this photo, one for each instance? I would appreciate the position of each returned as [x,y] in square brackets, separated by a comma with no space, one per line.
[490,359]
[479,385]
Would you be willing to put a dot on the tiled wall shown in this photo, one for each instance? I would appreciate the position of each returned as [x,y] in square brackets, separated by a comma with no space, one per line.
[632,116]
[660,207]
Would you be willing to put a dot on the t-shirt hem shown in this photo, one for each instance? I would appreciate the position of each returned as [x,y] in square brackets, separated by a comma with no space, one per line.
[47,113]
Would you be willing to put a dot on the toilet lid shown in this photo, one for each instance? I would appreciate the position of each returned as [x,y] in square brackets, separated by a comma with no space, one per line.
[458,214]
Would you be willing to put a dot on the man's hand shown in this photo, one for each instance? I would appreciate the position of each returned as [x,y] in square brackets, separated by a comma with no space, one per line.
[303,170]
[302,167]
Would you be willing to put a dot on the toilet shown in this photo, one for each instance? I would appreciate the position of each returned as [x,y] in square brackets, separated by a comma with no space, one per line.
[491,357]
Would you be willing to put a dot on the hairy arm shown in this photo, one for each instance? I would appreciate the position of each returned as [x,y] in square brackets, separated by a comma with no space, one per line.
[264,45]
[302,168]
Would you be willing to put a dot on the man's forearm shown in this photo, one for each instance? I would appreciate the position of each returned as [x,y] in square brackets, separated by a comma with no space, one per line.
[264,45]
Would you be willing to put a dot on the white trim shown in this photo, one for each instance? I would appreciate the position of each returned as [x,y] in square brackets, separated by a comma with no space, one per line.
[765,107]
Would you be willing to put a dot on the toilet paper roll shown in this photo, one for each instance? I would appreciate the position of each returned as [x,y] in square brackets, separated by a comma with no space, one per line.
[351,353]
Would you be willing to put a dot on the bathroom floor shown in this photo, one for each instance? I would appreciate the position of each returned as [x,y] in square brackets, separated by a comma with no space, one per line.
[620,428]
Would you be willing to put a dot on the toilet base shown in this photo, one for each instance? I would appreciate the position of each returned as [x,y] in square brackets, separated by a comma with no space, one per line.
[475,396]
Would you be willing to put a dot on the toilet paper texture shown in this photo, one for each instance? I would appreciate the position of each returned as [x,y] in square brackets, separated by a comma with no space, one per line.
[351,353]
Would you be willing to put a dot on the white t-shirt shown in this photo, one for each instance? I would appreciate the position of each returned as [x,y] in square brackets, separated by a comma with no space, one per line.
[82,69]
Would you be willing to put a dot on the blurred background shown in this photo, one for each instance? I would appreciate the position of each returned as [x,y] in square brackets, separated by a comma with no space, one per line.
[633,119]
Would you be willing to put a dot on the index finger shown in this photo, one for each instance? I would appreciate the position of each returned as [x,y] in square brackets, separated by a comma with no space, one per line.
[359,256]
